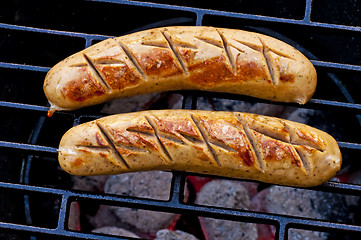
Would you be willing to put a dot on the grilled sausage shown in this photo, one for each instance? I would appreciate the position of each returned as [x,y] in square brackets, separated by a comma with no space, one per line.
[181,58]
[232,144]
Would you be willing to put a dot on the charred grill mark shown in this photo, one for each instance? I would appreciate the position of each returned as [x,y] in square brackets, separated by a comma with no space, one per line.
[132,59]
[251,140]
[165,151]
[179,59]
[96,71]
[205,139]
[111,143]
[228,51]
[268,62]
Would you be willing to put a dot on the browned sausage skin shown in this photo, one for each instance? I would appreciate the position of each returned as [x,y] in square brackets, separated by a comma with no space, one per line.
[232,144]
[181,58]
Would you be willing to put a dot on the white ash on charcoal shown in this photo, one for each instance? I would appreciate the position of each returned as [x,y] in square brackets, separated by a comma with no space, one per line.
[301,203]
[89,183]
[228,194]
[105,217]
[152,185]
[143,102]
[166,234]
[115,231]
[286,112]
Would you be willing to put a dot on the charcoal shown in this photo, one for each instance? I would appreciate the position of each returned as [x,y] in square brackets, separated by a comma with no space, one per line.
[154,185]
[105,217]
[115,231]
[74,217]
[89,183]
[303,203]
[173,235]
[143,102]
[229,194]
[307,203]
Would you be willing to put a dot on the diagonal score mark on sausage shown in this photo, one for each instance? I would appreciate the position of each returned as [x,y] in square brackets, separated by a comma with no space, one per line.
[294,142]
[164,149]
[228,51]
[172,138]
[222,145]
[91,147]
[205,139]
[178,139]
[268,63]
[281,54]
[251,140]
[155,44]
[132,59]
[100,78]
[100,148]
[179,59]
[259,49]
[304,161]
[249,45]
[306,164]
[111,143]
[221,45]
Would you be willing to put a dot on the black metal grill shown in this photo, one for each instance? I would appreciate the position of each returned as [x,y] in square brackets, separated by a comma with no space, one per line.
[32,150]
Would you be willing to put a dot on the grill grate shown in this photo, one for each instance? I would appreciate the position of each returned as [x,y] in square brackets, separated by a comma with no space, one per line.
[175,203]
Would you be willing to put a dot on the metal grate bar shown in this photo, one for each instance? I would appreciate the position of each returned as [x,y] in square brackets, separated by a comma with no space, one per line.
[201,12]
[22,106]
[335,104]
[52,150]
[28,147]
[308,8]
[56,32]
[57,232]
[171,206]
[333,65]
[175,203]
[23,67]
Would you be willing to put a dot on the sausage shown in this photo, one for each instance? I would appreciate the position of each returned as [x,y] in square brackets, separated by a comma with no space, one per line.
[231,144]
[181,58]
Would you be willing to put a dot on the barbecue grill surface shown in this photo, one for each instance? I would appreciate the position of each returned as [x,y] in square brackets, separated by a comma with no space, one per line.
[35,194]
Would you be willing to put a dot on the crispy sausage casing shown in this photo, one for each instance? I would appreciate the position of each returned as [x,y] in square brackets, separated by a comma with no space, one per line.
[181,58]
[232,144]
